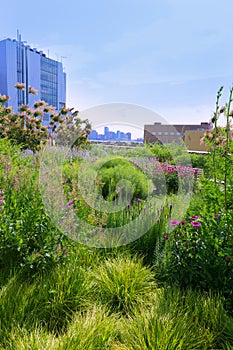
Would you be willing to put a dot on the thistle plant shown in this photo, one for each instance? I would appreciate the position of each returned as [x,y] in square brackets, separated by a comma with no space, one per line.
[25,127]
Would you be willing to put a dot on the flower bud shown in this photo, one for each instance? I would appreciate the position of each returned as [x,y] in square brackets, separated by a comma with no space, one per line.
[222,109]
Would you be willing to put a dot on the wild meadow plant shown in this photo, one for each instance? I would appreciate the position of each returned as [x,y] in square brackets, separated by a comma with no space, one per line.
[122,284]
[219,141]
[92,330]
[199,249]
[111,303]
[26,128]
[136,296]
[28,237]
[124,189]
[138,216]
[178,320]
[196,254]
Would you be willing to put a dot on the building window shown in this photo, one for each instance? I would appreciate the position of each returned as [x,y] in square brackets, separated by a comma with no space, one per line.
[20,72]
[172,133]
[49,81]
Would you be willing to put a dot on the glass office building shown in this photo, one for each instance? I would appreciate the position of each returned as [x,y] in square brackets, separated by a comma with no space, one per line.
[19,63]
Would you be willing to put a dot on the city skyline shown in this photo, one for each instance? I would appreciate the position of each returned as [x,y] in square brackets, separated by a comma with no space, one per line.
[106,134]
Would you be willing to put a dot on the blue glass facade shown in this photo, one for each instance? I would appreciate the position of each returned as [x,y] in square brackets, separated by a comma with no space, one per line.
[19,63]
[20,72]
[49,81]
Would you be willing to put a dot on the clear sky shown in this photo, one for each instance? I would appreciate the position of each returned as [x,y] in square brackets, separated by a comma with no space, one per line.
[170,56]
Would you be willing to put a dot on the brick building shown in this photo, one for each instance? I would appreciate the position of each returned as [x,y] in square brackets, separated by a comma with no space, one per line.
[167,133]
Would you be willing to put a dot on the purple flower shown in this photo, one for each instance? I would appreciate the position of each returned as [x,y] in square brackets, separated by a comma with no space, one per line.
[166,236]
[2,200]
[174,222]
[70,203]
[195,223]
[139,200]
[194,217]
[128,205]
[170,206]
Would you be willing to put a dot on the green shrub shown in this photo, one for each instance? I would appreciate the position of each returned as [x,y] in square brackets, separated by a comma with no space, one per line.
[121,178]
[161,152]
[200,161]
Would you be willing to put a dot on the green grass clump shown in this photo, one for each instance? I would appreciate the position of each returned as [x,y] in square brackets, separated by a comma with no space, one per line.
[179,320]
[36,339]
[113,304]
[50,301]
[122,284]
[91,330]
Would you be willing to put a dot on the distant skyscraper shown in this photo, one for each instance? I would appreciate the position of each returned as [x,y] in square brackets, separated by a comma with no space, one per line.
[20,63]
[106,133]
[129,135]
[93,135]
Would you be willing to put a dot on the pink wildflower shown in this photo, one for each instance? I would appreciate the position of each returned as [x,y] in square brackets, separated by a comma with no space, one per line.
[174,222]
[195,223]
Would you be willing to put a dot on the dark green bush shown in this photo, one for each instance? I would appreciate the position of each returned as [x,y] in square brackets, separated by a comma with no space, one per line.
[121,178]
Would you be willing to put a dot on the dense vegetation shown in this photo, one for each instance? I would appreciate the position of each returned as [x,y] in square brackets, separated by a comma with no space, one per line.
[162,280]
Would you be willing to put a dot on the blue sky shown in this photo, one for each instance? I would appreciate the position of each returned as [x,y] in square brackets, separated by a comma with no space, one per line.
[170,56]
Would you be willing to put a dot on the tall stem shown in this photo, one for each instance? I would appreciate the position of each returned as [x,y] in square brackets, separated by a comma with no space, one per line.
[215,119]
[227,150]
